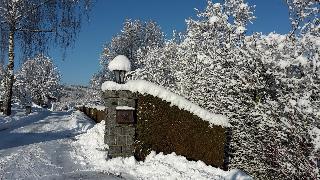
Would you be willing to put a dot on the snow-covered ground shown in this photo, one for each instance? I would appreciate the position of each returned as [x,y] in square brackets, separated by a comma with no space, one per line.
[67,145]
[38,146]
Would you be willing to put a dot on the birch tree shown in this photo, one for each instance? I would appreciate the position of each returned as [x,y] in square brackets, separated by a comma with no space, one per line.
[33,25]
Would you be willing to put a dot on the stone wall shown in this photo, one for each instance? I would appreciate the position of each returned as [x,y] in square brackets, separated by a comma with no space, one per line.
[160,127]
[119,137]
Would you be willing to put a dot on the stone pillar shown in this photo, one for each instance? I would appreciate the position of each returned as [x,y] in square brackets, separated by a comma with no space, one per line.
[119,136]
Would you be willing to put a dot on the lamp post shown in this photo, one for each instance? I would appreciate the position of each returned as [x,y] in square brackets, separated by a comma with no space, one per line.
[119,76]
[120,65]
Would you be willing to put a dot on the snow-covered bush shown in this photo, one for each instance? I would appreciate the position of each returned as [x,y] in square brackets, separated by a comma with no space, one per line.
[38,79]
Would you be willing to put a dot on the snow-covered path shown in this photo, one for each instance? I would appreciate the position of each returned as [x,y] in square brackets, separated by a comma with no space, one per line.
[38,146]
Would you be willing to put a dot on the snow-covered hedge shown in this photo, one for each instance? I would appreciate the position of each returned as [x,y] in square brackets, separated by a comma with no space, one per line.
[145,87]
[164,128]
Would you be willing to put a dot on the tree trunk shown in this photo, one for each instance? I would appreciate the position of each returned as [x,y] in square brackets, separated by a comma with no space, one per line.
[9,77]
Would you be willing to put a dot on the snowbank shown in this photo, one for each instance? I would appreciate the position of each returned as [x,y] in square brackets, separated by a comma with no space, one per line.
[90,147]
[120,62]
[159,166]
[89,151]
[145,87]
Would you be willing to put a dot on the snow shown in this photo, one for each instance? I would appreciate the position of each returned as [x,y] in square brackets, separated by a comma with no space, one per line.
[217,5]
[315,133]
[120,62]
[240,30]
[283,64]
[91,146]
[155,166]
[214,19]
[67,145]
[98,107]
[124,108]
[243,6]
[38,146]
[302,60]
[145,87]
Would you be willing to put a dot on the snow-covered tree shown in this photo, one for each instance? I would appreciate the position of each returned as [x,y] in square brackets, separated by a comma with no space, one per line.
[100,77]
[33,25]
[136,39]
[135,36]
[72,96]
[210,47]
[38,79]
[304,16]
[268,86]
[281,123]
[157,65]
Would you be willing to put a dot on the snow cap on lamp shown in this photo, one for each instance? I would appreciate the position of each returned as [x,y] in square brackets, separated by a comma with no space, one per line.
[120,65]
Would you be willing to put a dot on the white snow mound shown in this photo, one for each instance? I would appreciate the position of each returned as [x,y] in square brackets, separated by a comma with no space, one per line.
[90,150]
[90,147]
[145,87]
[120,62]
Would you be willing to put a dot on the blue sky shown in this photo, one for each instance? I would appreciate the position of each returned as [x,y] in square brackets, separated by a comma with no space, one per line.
[107,17]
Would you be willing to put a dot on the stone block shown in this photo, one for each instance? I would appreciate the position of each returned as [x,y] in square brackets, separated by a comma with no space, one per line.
[129,140]
[111,102]
[127,102]
[128,150]
[121,140]
[120,130]
[128,95]
[114,131]
[111,116]
[130,131]
[110,94]
[113,150]
[107,131]
[111,140]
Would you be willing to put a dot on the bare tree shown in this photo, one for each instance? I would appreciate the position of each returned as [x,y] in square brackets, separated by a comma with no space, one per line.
[33,25]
